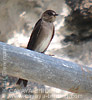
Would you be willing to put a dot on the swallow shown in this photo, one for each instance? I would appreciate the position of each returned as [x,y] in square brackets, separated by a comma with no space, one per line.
[41,36]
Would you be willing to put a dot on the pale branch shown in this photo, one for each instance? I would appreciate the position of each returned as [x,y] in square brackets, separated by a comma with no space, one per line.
[44,69]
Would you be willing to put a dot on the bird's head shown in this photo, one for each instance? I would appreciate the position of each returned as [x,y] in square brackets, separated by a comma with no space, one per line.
[49,15]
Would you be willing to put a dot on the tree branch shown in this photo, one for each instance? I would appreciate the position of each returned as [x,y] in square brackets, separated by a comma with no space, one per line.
[44,69]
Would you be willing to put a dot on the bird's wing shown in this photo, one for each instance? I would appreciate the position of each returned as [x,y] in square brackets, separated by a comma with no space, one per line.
[53,32]
[34,35]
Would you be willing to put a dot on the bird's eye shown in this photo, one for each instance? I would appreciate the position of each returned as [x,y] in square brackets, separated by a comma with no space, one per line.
[50,13]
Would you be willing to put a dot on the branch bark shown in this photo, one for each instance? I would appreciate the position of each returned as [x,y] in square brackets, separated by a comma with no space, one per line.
[44,69]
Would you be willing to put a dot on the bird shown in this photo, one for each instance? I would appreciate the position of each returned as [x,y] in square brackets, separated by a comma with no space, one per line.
[41,36]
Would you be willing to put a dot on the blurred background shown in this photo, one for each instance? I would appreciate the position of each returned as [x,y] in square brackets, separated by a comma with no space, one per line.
[72,40]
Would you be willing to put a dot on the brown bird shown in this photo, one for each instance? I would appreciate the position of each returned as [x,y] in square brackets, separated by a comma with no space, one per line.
[42,35]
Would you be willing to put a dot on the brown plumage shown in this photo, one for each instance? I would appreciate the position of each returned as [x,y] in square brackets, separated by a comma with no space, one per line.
[42,35]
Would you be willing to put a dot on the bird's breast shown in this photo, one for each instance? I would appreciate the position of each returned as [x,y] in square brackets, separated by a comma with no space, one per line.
[45,36]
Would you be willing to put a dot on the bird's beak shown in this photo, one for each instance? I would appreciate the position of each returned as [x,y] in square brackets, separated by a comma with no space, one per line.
[56,14]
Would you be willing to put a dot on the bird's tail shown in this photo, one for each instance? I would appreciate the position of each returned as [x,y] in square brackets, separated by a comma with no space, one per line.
[22,80]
